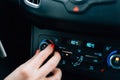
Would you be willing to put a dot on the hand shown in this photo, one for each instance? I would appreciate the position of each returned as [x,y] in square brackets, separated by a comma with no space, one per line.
[34,70]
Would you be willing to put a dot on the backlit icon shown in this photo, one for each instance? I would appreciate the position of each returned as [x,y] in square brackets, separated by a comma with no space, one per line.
[95,61]
[108,48]
[90,45]
[63,62]
[91,68]
[78,50]
[98,54]
[75,42]
[78,62]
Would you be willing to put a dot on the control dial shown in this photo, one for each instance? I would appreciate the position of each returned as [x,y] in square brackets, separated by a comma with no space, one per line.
[113,59]
[44,43]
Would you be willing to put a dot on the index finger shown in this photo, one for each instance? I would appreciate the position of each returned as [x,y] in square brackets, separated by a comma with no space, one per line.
[50,65]
[38,60]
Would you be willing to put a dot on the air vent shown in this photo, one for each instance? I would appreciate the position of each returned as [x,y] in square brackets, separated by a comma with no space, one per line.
[33,3]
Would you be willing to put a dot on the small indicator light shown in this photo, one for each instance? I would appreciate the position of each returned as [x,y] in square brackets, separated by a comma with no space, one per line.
[66,54]
[76,9]
[102,70]
[117,59]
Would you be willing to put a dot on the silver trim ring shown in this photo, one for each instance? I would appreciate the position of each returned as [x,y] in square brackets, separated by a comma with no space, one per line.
[2,51]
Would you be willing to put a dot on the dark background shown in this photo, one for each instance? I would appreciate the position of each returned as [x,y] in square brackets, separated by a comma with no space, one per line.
[15,37]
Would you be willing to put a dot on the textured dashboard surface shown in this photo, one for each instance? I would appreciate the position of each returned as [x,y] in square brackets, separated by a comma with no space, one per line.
[102,13]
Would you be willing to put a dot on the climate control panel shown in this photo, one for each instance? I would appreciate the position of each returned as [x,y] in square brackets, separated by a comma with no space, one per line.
[77,54]
[80,54]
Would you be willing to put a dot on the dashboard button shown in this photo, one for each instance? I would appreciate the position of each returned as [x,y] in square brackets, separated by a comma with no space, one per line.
[76,9]
[91,68]
[99,54]
[93,60]
[78,61]
[75,42]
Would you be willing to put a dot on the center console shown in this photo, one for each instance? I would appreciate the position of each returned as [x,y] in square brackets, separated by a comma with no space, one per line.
[68,22]
[97,57]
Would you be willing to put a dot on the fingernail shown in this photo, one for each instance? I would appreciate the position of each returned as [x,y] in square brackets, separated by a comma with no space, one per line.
[52,45]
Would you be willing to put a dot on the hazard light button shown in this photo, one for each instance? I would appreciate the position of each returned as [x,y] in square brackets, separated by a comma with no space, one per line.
[76,9]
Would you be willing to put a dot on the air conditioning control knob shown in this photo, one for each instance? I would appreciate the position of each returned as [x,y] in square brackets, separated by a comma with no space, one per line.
[44,43]
[115,61]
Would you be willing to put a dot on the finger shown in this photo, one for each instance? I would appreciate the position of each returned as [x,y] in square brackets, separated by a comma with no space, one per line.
[50,65]
[39,58]
[36,53]
[57,75]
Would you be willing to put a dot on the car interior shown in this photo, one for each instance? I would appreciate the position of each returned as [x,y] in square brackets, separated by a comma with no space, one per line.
[85,32]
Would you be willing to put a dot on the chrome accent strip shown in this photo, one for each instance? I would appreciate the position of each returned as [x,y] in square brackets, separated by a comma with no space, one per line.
[32,4]
[2,51]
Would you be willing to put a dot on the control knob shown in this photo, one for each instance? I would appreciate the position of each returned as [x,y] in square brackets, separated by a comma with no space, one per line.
[113,59]
[44,43]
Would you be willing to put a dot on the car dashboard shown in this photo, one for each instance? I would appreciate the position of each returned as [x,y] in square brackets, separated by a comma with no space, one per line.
[85,32]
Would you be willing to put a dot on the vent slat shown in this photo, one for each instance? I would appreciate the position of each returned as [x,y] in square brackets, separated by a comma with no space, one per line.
[34,1]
